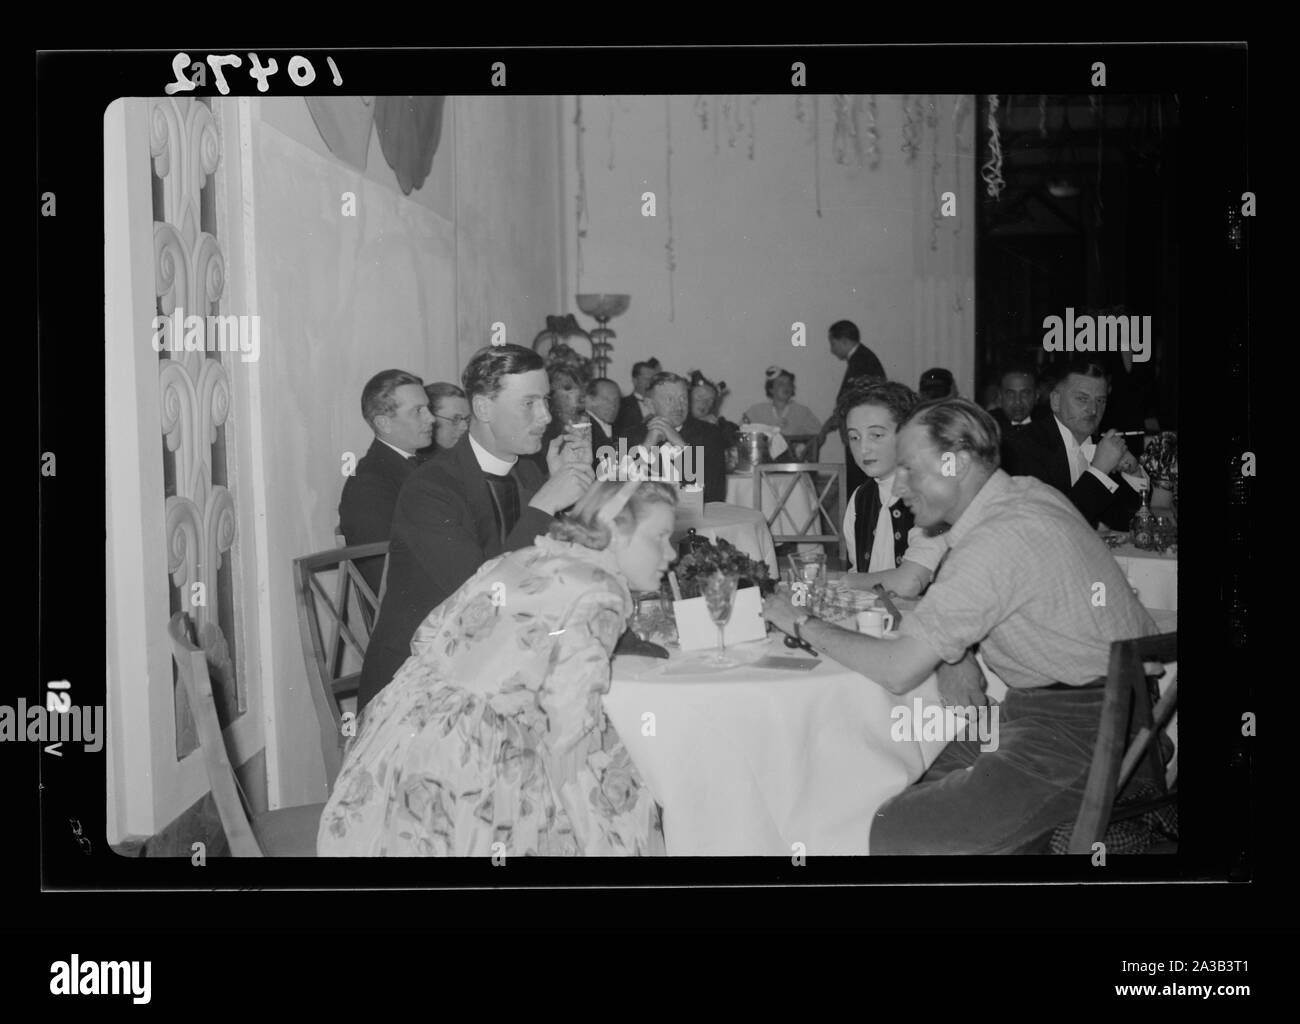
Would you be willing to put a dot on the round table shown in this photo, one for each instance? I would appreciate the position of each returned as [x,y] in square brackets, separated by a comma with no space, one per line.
[743,528]
[751,761]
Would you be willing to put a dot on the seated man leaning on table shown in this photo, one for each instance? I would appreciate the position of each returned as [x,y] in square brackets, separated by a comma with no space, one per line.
[886,546]
[1102,478]
[1022,579]
[672,424]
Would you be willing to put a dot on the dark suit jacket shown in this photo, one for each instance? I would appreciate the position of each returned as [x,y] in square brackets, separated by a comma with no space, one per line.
[369,497]
[629,416]
[705,435]
[443,531]
[1039,451]
[862,362]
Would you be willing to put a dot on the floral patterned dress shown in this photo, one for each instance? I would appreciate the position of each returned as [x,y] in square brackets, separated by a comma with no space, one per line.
[493,731]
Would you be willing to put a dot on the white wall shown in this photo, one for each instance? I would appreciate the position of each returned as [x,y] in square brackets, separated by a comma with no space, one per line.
[400,285]
[753,256]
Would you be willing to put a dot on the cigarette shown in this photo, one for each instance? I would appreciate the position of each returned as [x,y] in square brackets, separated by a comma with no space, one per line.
[1131,433]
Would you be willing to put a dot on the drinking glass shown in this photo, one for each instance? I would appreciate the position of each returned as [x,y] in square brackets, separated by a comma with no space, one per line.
[578,443]
[720,594]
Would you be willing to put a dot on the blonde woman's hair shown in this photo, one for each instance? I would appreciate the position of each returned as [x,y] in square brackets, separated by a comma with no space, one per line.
[582,523]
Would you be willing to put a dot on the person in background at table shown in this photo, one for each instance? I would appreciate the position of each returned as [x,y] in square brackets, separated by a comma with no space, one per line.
[471,502]
[672,424]
[636,408]
[396,408]
[1059,450]
[885,546]
[1019,579]
[780,409]
[1017,389]
[706,400]
[567,374]
[603,399]
[450,410]
[846,344]
[937,383]
[493,730]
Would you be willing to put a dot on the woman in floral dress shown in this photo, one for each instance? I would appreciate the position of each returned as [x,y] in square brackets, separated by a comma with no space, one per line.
[493,731]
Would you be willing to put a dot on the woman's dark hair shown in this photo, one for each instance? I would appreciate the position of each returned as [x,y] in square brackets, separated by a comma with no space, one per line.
[897,397]
[582,525]
[488,365]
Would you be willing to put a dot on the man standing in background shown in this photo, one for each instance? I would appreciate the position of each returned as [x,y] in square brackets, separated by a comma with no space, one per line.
[846,344]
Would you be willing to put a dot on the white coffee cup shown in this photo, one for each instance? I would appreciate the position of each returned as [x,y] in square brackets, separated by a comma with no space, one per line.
[875,622]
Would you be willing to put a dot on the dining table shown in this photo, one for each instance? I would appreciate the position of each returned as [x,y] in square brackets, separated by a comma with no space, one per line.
[1152,574]
[784,753]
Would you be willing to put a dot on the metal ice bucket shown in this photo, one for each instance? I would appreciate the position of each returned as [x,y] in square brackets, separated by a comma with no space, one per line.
[751,450]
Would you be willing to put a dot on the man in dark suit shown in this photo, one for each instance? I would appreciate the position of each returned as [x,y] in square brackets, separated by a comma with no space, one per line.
[846,344]
[471,503]
[672,424]
[603,405]
[1059,449]
[634,409]
[396,406]
[1017,407]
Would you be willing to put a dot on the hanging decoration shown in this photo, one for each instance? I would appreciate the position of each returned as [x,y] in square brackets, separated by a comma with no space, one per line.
[581,211]
[727,105]
[959,114]
[817,155]
[798,109]
[701,110]
[911,129]
[872,135]
[991,172]
[753,102]
[611,133]
[936,216]
[668,194]
[843,129]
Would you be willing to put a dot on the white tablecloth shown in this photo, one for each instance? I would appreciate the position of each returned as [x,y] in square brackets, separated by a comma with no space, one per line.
[1153,576]
[749,761]
[796,511]
[744,528]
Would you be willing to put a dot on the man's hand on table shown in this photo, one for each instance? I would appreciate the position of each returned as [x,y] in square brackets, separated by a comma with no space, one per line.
[962,684]
[778,610]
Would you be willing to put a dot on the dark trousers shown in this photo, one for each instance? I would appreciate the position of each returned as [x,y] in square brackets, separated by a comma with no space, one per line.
[999,801]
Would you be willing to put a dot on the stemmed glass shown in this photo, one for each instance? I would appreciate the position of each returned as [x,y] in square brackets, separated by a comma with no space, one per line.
[720,594]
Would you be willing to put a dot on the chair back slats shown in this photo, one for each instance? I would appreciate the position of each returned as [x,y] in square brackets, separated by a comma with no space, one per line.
[1126,710]
[327,634]
[828,521]
[192,666]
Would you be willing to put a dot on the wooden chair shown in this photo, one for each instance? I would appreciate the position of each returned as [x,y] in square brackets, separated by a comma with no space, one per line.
[289,832]
[822,514]
[321,616]
[1128,732]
